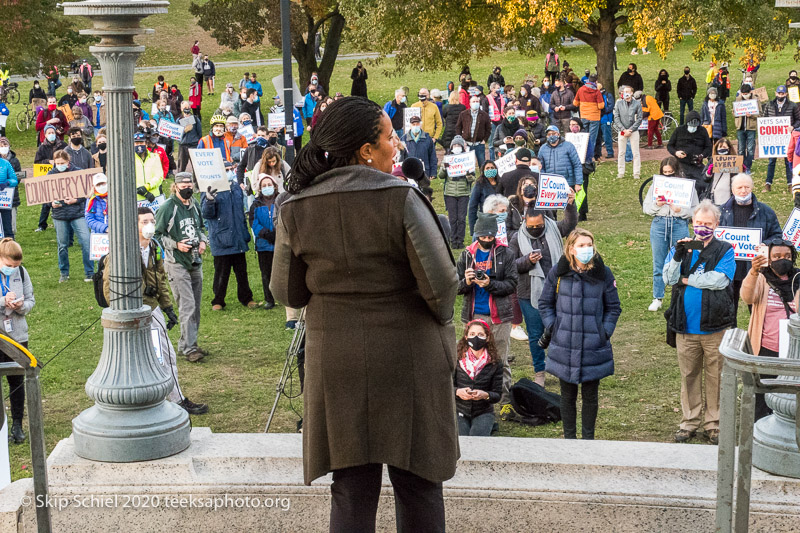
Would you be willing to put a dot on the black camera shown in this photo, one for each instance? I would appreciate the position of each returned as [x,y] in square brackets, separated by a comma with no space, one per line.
[150,291]
[544,340]
[195,244]
[480,274]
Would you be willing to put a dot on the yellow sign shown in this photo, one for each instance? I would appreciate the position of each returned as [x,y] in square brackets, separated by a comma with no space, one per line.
[41,170]
[794,94]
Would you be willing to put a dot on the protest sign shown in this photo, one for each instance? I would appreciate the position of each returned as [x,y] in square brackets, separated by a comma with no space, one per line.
[460,164]
[99,246]
[791,231]
[187,121]
[6,197]
[407,114]
[774,134]
[170,130]
[155,204]
[276,121]
[675,191]
[248,133]
[506,163]
[745,107]
[41,170]
[794,94]
[60,186]
[67,110]
[745,241]
[553,192]
[727,163]
[580,141]
[209,169]
[761,94]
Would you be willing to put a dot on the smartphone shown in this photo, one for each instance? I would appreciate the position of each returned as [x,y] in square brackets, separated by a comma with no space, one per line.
[662,198]
[695,245]
[763,250]
[536,251]
[18,300]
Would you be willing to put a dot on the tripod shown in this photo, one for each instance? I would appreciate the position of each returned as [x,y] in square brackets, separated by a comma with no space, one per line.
[297,344]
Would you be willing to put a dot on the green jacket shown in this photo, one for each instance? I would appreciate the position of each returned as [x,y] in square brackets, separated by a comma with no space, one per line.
[461,186]
[176,222]
[153,275]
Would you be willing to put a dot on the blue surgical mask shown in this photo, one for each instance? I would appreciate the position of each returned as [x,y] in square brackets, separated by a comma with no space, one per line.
[501,217]
[267,191]
[262,142]
[584,254]
[62,168]
[51,137]
[7,270]
[742,200]
[415,130]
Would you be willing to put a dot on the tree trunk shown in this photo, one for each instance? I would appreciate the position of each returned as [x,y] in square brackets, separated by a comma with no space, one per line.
[604,48]
[332,41]
[303,51]
[601,37]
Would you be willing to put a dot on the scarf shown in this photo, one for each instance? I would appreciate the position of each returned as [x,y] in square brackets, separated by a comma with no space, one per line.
[472,365]
[537,274]
[781,286]
[90,203]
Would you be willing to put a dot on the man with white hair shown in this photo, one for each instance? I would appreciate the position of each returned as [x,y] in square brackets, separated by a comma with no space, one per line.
[701,272]
[394,108]
[742,210]
[431,118]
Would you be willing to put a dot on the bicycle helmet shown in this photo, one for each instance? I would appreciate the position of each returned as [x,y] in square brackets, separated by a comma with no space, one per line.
[218,119]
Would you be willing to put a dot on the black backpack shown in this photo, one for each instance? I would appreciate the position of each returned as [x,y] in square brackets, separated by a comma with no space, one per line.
[97,281]
[533,404]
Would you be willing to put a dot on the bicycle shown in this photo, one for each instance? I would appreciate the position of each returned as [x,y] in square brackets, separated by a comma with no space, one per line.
[10,93]
[25,118]
[667,124]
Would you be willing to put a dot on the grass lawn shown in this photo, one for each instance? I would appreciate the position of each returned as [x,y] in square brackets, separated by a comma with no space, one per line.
[640,402]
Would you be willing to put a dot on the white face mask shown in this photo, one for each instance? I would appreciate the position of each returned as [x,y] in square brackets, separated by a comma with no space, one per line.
[627,96]
[712,96]
[474,105]
[457,149]
[691,129]
[101,189]
[4,150]
[148,230]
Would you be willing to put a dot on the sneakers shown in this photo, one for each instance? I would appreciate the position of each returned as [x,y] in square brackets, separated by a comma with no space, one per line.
[193,408]
[217,307]
[713,436]
[518,333]
[636,177]
[767,187]
[39,229]
[63,278]
[539,378]
[620,176]
[507,412]
[194,356]
[655,305]
[291,324]
[269,305]
[16,435]
[88,279]
[682,435]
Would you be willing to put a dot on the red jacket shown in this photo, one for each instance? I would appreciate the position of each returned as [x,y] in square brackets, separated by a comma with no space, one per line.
[164,159]
[196,95]
[45,115]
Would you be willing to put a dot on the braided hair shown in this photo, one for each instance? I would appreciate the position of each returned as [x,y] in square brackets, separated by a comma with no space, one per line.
[346,125]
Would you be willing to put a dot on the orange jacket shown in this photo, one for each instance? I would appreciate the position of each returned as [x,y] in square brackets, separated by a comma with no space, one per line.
[589,103]
[651,106]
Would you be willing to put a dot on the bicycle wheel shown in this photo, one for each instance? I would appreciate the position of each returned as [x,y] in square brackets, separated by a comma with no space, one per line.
[22,121]
[615,133]
[643,188]
[13,96]
[668,127]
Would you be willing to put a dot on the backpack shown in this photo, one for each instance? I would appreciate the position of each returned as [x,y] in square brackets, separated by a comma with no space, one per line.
[97,281]
[552,63]
[533,404]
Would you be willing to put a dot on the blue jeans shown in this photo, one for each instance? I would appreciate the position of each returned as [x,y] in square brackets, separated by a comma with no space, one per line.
[480,153]
[535,328]
[771,170]
[64,232]
[52,86]
[593,127]
[608,138]
[480,426]
[491,141]
[747,146]
[628,153]
[661,241]
[684,103]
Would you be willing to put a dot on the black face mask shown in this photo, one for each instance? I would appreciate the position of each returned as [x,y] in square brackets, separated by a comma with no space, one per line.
[535,231]
[686,72]
[529,191]
[76,141]
[486,245]
[272,140]
[185,193]
[476,343]
[782,266]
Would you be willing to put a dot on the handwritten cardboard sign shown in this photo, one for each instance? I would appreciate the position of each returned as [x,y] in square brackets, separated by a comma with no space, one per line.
[52,187]
[276,121]
[727,163]
[99,246]
[761,94]
[674,191]
[553,192]
[791,231]
[581,142]
[170,130]
[67,110]
[209,169]
[407,114]
[745,241]
[460,164]
[774,134]
[506,163]
[745,107]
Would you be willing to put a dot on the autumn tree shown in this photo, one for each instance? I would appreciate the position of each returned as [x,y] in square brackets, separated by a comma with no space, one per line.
[239,23]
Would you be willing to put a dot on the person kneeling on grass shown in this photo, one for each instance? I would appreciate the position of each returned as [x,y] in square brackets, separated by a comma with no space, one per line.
[156,294]
[478,380]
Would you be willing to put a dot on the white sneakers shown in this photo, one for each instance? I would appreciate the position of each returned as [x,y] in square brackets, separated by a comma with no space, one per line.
[655,305]
[518,333]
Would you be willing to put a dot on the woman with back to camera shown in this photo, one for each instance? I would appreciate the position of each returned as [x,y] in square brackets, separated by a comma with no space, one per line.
[379,288]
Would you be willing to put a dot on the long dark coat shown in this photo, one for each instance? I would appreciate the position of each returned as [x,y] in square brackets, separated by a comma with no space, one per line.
[364,253]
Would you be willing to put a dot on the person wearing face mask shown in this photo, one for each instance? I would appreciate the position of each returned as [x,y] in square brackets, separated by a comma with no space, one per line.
[310,101]
[498,206]
[179,229]
[8,178]
[70,99]
[562,104]
[149,171]
[628,116]
[420,145]
[174,100]
[769,289]
[552,65]
[263,214]
[713,115]
[252,106]
[51,116]
[16,303]
[152,143]
[653,114]
[510,180]
[590,103]
[487,277]
[485,186]
[524,197]
[691,145]
[37,93]
[238,142]
[359,77]
[792,80]
[475,128]
[560,157]
[457,191]
[196,94]
[98,112]
[535,129]
[670,224]
[504,132]
[44,155]
[662,89]
[746,127]
[496,77]
[721,182]
[431,118]
[687,90]
[80,157]
[606,135]
[394,108]
[631,78]
[700,311]
[781,106]
[579,307]
[100,157]
[722,83]
[7,154]
[83,123]
[97,205]
[252,157]
[743,210]
[478,380]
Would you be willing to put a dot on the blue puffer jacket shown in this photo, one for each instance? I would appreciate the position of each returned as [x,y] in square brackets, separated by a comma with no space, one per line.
[97,214]
[562,159]
[263,213]
[581,310]
[227,229]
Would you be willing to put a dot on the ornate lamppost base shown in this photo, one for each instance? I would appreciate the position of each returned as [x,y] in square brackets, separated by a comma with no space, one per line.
[774,443]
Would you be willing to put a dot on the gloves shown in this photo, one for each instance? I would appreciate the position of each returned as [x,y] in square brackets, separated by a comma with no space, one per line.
[173,318]
[267,235]
[150,197]
[710,170]
[680,252]
[141,191]
[211,194]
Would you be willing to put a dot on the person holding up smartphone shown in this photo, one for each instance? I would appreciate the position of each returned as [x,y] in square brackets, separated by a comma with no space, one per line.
[700,272]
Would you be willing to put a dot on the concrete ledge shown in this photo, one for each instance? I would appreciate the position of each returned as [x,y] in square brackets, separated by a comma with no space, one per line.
[502,484]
